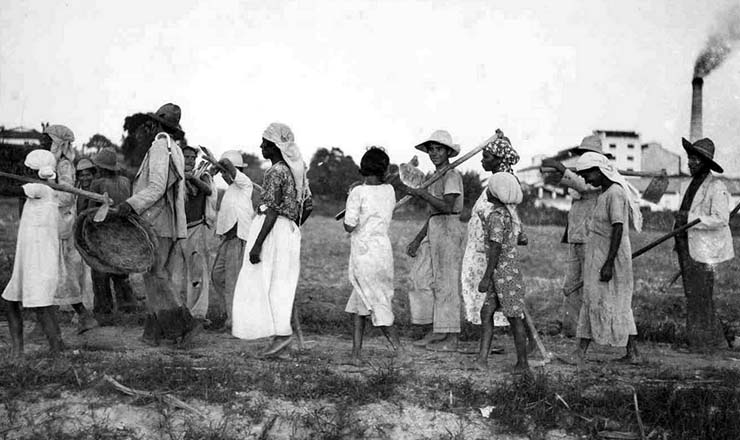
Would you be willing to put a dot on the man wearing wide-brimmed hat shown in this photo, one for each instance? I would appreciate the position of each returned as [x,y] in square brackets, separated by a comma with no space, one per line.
[159,198]
[705,245]
[438,250]
[583,198]
[118,189]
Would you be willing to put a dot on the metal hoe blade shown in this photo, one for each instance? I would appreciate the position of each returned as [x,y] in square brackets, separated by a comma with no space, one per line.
[656,188]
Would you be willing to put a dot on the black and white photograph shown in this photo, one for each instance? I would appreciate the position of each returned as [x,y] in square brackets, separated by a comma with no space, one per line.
[370,219]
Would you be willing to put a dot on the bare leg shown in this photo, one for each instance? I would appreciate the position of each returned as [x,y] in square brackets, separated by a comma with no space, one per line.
[48,321]
[632,355]
[87,322]
[15,325]
[486,339]
[520,342]
[391,334]
[357,335]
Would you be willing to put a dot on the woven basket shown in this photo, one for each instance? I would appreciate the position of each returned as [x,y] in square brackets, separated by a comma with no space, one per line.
[119,244]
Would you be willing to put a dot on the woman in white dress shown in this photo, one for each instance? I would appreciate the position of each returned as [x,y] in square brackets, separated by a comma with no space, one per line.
[265,289]
[368,217]
[36,268]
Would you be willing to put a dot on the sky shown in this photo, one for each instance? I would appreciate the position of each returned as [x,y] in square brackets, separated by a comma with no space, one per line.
[350,74]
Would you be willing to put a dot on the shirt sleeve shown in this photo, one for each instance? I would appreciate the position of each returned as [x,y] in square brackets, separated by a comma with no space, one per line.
[576,182]
[242,181]
[34,190]
[719,209]
[496,226]
[453,183]
[270,188]
[352,210]
[617,206]
[159,167]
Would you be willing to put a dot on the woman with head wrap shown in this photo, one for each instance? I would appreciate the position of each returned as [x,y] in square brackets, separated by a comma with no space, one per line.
[265,289]
[501,282]
[72,271]
[36,268]
[498,156]
[606,313]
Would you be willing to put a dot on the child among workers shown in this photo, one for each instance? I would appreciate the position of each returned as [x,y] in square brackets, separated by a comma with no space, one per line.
[368,216]
[502,280]
[36,276]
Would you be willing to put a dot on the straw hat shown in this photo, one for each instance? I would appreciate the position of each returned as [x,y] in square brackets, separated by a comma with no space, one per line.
[441,137]
[84,164]
[106,159]
[235,157]
[703,148]
[591,143]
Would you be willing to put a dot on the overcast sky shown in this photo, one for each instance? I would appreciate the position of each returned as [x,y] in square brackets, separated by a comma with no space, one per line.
[356,73]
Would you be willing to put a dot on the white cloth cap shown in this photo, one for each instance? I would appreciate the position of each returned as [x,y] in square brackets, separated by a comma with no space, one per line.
[235,157]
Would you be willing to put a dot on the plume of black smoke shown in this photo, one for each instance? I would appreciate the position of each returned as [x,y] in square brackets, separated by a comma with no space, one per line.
[720,43]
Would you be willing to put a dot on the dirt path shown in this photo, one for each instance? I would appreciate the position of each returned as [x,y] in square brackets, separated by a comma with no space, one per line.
[303,394]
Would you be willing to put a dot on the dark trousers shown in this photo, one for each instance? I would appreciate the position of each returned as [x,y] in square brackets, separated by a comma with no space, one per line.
[702,326]
[103,301]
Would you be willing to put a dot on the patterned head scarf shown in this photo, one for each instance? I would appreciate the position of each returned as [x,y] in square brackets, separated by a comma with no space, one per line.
[595,160]
[505,187]
[61,141]
[501,148]
[281,135]
[42,161]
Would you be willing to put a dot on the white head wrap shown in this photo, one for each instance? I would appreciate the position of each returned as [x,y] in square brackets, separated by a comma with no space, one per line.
[281,135]
[61,141]
[43,161]
[596,160]
[505,187]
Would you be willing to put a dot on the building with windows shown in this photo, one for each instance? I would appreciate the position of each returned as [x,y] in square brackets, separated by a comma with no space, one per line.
[625,146]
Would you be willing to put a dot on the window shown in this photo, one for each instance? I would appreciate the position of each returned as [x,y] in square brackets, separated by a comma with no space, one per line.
[612,146]
[630,169]
[631,146]
[630,158]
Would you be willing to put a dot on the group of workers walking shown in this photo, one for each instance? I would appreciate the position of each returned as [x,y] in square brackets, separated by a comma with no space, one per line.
[455,273]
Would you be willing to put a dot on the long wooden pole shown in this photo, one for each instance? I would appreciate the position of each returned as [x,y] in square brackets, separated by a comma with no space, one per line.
[61,187]
[660,240]
[441,172]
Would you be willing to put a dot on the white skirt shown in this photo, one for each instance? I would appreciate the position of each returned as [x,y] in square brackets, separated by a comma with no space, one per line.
[264,292]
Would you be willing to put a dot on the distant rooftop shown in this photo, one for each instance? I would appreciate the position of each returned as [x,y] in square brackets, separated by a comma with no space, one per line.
[19,133]
[617,133]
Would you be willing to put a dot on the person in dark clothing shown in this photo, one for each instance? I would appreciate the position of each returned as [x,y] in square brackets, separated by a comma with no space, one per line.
[118,189]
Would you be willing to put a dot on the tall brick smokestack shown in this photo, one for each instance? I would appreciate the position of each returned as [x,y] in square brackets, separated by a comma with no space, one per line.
[696,116]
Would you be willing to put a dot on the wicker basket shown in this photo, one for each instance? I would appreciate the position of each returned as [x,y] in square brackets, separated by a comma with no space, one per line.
[119,245]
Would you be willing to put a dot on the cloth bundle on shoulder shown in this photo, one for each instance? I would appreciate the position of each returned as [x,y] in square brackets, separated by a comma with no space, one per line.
[118,245]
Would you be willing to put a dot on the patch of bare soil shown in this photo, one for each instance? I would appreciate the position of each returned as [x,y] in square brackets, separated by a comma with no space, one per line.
[305,393]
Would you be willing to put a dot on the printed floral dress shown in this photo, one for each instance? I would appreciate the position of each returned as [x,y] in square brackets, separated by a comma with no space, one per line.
[474,264]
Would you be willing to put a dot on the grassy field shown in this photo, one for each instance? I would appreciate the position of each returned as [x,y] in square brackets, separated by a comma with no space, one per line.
[312,393]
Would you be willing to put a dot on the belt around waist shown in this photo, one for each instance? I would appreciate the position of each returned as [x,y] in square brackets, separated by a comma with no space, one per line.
[443,213]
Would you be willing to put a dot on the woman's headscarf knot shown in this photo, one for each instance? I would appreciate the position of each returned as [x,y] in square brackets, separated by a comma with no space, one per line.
[595,160]
[505,187]
[501,148]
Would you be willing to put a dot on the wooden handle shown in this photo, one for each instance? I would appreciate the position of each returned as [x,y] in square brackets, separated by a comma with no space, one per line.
[537,340]
[441,172]
[61,187]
